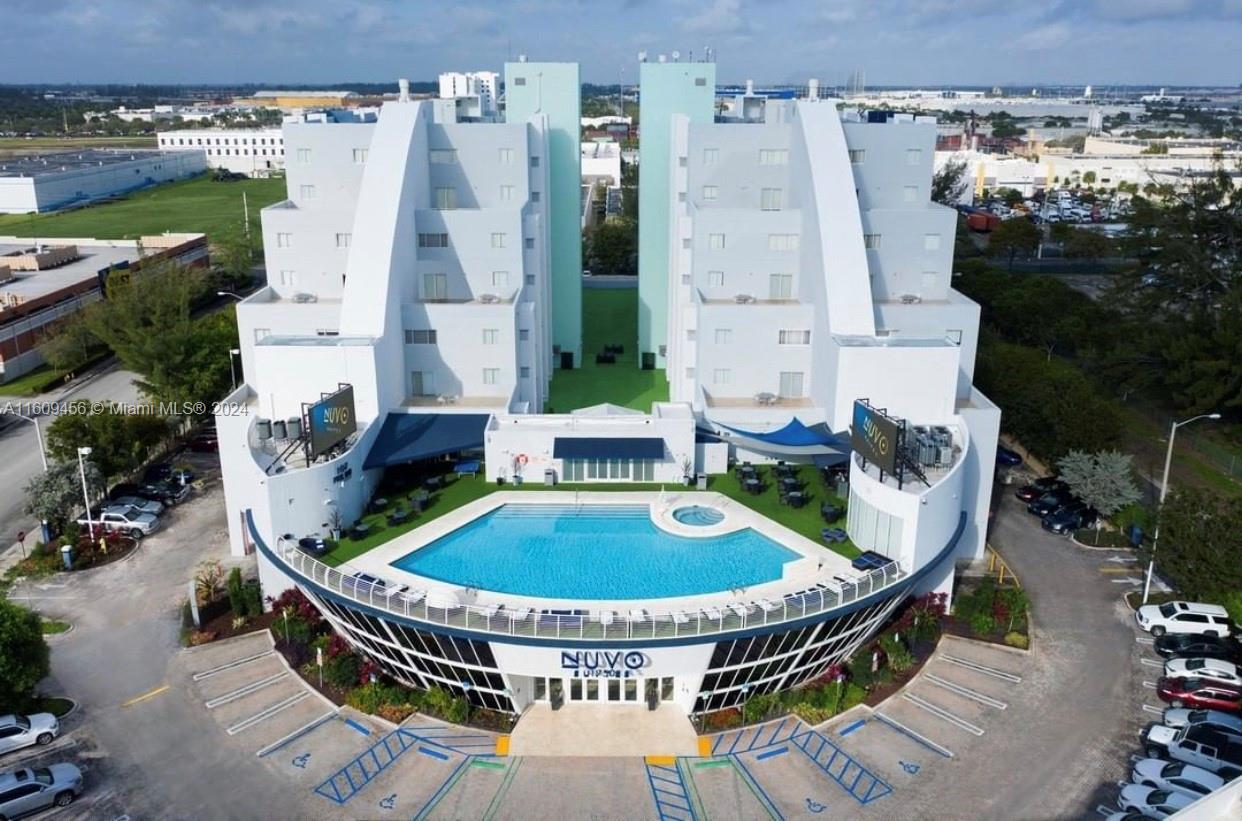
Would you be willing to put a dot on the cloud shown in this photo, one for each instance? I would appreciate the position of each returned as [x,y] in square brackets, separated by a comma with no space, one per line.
[1044,38]
[1135,10]
[721,17]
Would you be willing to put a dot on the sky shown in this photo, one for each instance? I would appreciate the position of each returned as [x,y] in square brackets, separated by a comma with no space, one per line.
[894,42]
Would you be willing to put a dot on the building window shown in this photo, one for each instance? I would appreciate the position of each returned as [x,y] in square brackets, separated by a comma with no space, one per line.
[307,192]
[857,155]
[443,156]
[773,156]
[524,335]
[360,155]
[519,81]
[433,240]
[524,372]
[261,333]
[422,383]
[931,242]
[287,277]
[791,384]
[710,192]
[534,162]
[498,240]
[435,286]
[715,279]
[506,156]
[722,376]
[871,241]
[491,376]
[426,336]
[782,242]
[929,280]
[500,279]
[689,373]
[954,336]
[716,242]
[304,155]
[534,196]
[506,193]
[770,199]
[780,286]
[530,279]
[711,156]
[724,336]
[914,156]
[794,337]
[700,81]
[529,243]
[910,193]
[284,240]
[685,279]
[686,243]
[343,240]
[491,336]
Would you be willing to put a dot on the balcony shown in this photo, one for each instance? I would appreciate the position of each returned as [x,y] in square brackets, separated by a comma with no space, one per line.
[763,400]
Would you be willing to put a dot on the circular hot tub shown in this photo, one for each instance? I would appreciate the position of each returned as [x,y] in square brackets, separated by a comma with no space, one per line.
[698,516]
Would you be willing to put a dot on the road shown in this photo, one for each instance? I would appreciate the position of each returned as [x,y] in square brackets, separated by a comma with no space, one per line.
[19,449]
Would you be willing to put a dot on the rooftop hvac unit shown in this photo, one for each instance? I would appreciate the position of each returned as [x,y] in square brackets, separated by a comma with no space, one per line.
[744,299]
[910,299]
[489,298]
[303,298]
[263,427]
[294,427]
[278,429]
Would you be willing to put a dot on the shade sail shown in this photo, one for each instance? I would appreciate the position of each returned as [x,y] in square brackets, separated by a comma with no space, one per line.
[591,447]
[409,437]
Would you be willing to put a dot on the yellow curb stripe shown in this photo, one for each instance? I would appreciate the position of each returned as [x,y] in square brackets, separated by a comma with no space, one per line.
[705,746]
[502,745]
[662,760]
[1116,569]
[145,696]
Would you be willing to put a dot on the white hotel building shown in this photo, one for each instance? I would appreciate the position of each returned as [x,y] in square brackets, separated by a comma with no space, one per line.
[790,264]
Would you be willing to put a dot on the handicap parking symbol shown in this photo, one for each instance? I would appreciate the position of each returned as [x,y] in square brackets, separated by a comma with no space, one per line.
[909,766]
[299,761]
[814,806]
[389,802]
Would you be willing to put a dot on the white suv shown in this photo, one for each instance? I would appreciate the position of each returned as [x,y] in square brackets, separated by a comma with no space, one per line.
[1183,617]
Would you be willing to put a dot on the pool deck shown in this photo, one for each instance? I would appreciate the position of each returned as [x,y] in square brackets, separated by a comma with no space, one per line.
[815,565]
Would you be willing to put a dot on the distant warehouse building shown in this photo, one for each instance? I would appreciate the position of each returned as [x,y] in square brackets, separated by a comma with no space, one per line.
[47,182]
[255,152]
[43,284]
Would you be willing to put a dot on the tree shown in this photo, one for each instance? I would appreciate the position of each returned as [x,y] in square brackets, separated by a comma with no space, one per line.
[1010,196]
[234,256]
[1103,480]
[950,182]
[71,344]
[1083,243]
[612,248]
[119,441]
[1199,544]
[25,658]
[1012,237]
[1089,178]
[55,496]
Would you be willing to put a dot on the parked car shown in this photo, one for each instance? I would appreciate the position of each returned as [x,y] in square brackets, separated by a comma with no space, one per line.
[1187,645]
[1213,669]
[165,493]
[1183,617]
[1152,803]
[1199,746]
[1176,776]
[205,442]
[1126,816]
[1200,694]
[25,791]
[164,472]
[1049,502]
[123,519]
[1178,717]
[139,504]
[1069,518]
[1031,492]
[26,731]
[1007,457]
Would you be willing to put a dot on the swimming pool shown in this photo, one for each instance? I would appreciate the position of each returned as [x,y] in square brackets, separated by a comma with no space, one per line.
[593,552]
[698,516]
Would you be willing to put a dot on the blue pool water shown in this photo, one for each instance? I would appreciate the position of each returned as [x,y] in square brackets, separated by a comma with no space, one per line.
[593,552]
[697,516]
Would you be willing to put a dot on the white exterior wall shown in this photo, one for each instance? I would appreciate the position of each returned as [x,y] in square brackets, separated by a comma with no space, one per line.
[256,152]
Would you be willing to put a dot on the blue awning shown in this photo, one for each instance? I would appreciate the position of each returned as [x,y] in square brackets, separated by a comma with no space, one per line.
[591,447]
[793,435]
[409,437]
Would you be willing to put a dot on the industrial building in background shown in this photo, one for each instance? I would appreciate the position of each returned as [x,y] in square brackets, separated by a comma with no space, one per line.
[36,183]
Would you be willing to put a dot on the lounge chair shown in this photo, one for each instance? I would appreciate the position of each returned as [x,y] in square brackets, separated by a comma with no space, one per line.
[605,617]
[740,609]
[768,605]
[713,613]
[638,615]
[491,610]
[521,613]
[679,617]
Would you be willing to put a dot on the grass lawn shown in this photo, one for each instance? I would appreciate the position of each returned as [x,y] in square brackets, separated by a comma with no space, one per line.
[465,489]
[190,206]
[32,383]
[609,316]
[51,627]
[58,707]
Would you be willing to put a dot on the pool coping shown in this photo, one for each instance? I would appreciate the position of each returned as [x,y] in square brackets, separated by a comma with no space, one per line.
[816,564]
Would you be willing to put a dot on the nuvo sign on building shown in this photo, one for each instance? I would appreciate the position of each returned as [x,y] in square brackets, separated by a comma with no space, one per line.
[331,420]
[875,436]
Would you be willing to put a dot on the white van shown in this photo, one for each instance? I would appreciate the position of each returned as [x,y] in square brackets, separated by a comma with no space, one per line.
[1184,617]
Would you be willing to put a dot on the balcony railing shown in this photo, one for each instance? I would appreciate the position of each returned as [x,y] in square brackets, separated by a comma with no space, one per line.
[552,623]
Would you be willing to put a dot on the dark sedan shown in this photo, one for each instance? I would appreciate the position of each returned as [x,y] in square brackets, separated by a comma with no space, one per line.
[166,493]
[1049,502]
[1006,457]
[1048,484]
[1190,645]
[1068,518]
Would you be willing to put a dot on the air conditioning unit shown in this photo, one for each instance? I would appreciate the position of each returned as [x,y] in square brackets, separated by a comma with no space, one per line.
[744,299]
[489,298]
[304,298]
[910,299]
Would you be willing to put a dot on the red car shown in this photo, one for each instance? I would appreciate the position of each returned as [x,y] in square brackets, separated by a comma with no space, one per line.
[1200,694]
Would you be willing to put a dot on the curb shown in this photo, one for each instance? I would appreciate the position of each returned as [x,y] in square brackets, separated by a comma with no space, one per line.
[61,634]
[72,710]
[238,637]
[991,645]
[1097,547]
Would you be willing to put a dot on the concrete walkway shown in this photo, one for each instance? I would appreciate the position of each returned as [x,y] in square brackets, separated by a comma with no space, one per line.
[603,730]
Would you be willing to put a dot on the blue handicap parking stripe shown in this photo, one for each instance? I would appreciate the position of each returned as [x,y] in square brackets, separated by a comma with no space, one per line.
[771,753]
[852,727]
[359,727]
[427,751]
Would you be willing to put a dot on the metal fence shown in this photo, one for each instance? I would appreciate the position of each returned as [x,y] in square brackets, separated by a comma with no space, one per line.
[525,621]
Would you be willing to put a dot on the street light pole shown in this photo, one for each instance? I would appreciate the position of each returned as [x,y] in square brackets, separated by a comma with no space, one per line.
[38,435]
[86,496]
[238,297]
[1164,491]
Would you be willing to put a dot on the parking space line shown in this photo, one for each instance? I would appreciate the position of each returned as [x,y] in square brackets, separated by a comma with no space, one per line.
[1150,685]
[267,712]
[1144,640]
[230,665]
[944,714]
[244,690]
[444,788]
[981,668]
[926,742]
[965,692]
[1147,708]
[263,752]
[765,800]
[1152,663]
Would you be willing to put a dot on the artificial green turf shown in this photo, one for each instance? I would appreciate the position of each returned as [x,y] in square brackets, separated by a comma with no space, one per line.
[805,520]
[197,205]
[609,317]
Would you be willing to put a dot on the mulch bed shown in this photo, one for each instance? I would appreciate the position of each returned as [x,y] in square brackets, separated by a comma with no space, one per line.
[222,625]
[880,691]
[962,630]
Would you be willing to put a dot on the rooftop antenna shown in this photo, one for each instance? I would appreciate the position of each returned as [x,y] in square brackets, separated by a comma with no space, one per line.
[676,55]
[642,56]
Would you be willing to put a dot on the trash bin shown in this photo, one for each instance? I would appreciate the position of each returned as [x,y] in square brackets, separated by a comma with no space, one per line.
[549,477]
[701,481]
[1136,535]
[66,556]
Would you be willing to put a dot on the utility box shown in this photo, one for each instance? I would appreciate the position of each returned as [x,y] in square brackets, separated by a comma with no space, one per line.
[549,477]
